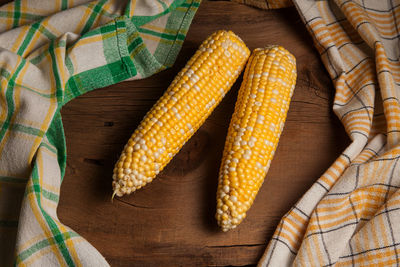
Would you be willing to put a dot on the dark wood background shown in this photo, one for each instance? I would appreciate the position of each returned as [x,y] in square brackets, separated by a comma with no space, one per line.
[171,221]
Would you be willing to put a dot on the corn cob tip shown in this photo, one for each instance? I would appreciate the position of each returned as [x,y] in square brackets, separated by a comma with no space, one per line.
[273,47]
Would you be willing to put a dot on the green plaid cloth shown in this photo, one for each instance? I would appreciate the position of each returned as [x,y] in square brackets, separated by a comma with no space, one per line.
[52,51]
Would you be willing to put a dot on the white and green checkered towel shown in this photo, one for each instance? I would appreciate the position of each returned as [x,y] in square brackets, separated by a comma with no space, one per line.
[52,51]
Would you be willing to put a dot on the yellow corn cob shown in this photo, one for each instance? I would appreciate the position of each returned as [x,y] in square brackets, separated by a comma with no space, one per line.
[254,131]
[188,101]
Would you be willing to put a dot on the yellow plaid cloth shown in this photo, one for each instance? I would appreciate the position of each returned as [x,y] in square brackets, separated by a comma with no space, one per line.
[52,51]
[351,215]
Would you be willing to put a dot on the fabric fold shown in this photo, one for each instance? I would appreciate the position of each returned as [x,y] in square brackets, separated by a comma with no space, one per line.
[50,53]
[351,215]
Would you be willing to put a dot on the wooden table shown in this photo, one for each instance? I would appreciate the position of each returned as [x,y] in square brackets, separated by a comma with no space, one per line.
[171,221]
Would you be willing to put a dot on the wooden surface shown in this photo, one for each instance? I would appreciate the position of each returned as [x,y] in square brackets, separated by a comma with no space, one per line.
[171,221]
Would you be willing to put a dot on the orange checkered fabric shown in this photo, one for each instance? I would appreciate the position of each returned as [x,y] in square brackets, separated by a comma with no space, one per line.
[351,215]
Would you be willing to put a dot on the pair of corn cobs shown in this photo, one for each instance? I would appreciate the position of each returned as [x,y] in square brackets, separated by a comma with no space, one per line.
[254,130]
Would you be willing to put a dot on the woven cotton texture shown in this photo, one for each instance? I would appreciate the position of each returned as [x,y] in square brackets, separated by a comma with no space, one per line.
[351,215]
[52,51]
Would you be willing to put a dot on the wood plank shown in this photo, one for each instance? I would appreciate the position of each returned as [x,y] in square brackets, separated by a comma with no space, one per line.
[171,221]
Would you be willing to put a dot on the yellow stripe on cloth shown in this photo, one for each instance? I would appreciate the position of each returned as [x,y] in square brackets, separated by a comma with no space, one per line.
[353,210]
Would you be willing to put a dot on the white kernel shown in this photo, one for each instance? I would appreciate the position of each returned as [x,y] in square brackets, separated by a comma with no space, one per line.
[174,109]
[257,103]
[182,131]
[143,158]
[163,140]
[153,119]
[273,100]
[159,123]
[164,109]
[219,211]
[210,50]
[251,143]
[156,155]
[233,199]
[136,147]
[232,169]
[253,96]
[127,171]
[261,90]
[153,140]
[253,139]
[235,160]
[196,77]
[196,87]
[244,143]
[174,99]
[142,142]
[227,53]
[226,189]
[236,144]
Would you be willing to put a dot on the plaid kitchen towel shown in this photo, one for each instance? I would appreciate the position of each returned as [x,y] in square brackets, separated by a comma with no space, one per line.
[52,51]
[351,215]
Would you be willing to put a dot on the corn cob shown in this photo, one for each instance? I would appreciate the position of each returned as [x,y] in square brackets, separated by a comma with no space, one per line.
[188,101]
[254,131]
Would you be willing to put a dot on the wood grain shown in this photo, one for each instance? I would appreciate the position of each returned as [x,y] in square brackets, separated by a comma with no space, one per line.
[171,221]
